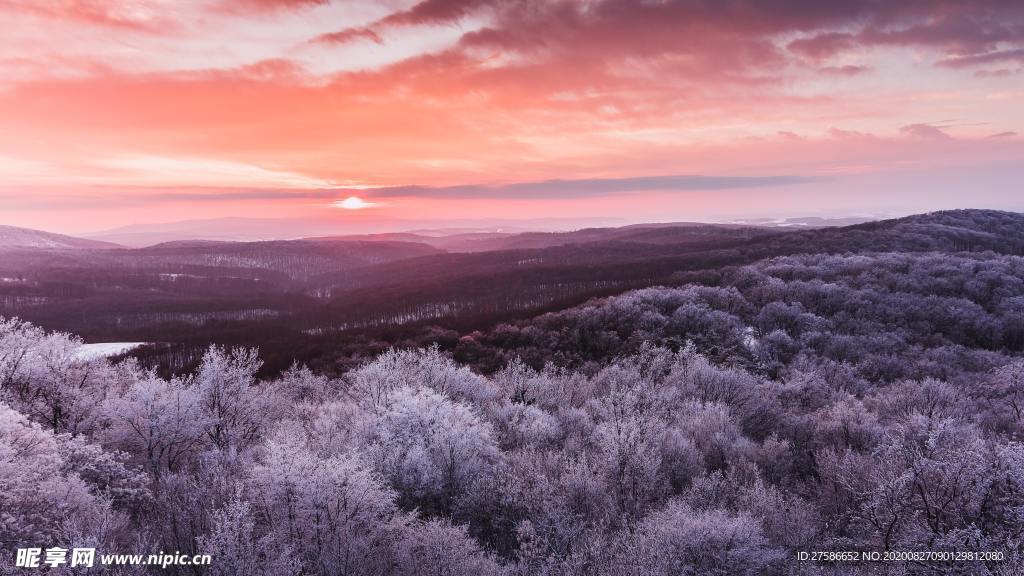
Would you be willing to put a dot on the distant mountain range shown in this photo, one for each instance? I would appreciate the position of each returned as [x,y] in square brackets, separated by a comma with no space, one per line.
[257,229]
[664,233]
[12,237]
[452,236]
[236,235]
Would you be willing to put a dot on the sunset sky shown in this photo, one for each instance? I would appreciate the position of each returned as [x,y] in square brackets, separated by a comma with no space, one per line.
[136,111]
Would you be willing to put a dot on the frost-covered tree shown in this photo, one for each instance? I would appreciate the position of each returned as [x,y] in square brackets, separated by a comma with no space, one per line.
[681,540]
[45,379]
[1002,399]
[17,341]
[437,548]
[39,495]
[430,448]
[237,548]
[333,513]
[107,474]
[235,412]
[160,422]
[374,382]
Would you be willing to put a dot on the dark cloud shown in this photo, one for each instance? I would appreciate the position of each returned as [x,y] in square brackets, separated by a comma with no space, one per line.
[849,70]
[586,187]
[998,73]
[738,36]
[244,5]
[426,12]
[349,35]
[822,46]
[435,12]
[924,132]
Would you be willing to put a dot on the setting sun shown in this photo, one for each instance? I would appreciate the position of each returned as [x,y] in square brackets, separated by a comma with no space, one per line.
[353,203]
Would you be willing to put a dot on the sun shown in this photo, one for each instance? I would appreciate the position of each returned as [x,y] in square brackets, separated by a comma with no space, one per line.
[353,203]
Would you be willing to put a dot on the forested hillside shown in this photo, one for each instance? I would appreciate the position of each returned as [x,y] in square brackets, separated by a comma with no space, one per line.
[839,400]
[333,303]
[886,316]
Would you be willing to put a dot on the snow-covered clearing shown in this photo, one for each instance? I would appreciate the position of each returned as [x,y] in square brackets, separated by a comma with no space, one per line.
[105,349]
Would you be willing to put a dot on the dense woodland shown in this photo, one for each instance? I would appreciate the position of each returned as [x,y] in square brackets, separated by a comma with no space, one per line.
[866,396]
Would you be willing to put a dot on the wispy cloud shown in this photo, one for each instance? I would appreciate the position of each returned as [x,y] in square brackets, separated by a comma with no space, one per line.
[583,188]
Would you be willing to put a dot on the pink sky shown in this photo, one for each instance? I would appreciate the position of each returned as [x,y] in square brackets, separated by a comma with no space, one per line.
[135,111]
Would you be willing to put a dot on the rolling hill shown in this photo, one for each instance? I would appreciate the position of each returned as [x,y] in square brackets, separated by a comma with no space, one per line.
[14,238]
[311,298]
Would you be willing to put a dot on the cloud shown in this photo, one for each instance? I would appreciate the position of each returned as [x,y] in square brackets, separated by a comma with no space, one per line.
[241,5]
[669,53]
[589,187]
[993,57]
[998,73]
[848,70]
[823,45]
[163,170]
[349,35]
[140,15]
[435,12]
[426,12]
[924,132]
